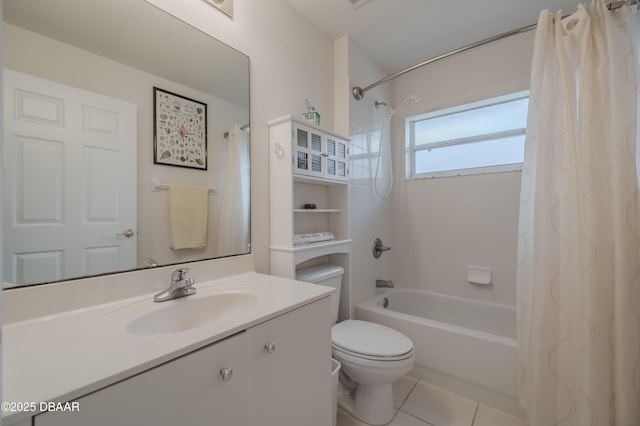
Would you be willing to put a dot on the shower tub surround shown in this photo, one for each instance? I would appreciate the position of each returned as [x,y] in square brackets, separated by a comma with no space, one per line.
[86,349]
[464,345]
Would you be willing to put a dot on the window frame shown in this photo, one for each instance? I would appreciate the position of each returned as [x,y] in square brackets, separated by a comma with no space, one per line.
[411,149]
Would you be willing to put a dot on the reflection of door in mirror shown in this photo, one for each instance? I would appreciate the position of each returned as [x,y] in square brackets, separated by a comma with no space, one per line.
[71,173]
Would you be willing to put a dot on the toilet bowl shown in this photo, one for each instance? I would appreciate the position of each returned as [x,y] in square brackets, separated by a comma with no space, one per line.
[372,356]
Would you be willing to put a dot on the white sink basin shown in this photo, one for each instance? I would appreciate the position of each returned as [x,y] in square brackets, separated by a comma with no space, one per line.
[191,312]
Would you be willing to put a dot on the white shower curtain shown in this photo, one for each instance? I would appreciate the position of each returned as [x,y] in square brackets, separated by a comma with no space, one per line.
[233,222]
[578,273]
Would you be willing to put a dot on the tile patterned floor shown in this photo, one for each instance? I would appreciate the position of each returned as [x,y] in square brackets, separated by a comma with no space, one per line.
[421,404]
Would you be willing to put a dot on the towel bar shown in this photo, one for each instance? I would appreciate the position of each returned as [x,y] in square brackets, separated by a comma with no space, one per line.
[156,186]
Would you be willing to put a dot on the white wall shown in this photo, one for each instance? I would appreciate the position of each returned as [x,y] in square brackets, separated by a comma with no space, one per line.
[435,227]
[290,61]
[370,215]
[442,225]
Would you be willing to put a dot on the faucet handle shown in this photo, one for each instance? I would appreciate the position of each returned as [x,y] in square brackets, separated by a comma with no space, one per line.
[179,274]
[378,248]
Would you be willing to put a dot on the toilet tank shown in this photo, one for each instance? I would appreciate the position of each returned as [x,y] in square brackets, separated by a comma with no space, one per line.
[325,274]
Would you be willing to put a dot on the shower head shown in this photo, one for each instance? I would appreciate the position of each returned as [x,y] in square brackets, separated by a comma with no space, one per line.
[414,99]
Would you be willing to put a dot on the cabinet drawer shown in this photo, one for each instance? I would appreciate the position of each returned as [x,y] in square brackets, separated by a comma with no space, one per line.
[187,391]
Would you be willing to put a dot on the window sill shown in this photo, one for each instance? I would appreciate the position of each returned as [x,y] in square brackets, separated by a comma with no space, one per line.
[507,168]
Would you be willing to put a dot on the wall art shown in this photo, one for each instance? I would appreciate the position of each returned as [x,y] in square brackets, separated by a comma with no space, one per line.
[180,130]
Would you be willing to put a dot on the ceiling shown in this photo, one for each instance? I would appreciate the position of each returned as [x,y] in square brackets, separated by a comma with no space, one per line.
[147,38]
[400,33]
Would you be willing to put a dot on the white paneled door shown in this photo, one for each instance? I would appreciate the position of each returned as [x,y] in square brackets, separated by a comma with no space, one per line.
[69,181]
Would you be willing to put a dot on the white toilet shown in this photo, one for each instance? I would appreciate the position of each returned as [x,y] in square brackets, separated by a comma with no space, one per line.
[372,356]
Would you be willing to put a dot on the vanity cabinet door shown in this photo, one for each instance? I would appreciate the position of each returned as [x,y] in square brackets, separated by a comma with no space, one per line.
[187,391]
[290,368]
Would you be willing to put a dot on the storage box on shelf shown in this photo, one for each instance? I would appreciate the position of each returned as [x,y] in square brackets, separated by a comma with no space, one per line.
[309,165]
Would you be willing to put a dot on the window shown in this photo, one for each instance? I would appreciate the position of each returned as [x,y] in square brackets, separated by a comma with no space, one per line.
[482,137]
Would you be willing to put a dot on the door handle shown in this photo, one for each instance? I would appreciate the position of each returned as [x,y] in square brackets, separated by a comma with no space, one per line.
[126,233]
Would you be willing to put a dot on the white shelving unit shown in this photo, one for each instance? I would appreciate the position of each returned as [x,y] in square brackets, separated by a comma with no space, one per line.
[308,165]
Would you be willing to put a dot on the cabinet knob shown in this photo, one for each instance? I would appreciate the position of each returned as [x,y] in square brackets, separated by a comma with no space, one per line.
[270,347]
[226,374]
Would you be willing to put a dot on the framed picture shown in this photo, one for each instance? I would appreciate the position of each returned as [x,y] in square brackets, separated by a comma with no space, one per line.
[180,130]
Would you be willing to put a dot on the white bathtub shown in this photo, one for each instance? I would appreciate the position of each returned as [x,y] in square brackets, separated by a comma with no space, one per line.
[464,345]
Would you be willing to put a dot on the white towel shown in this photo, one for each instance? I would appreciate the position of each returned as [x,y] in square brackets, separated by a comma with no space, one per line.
[188,206]
[314,237]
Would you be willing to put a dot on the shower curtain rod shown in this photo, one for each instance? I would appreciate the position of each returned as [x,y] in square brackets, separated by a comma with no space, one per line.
[359,92]
[243,127]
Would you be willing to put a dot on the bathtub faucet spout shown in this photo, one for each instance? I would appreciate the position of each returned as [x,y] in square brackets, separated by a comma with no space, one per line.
[384,283]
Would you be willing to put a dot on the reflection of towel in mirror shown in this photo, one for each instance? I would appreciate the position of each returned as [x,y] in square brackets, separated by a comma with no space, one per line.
[188,205]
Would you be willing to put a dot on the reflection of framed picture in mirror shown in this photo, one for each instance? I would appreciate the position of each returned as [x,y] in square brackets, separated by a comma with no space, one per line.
[180,130]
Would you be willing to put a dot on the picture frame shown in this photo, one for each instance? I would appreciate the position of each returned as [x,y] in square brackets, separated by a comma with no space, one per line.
[179,130]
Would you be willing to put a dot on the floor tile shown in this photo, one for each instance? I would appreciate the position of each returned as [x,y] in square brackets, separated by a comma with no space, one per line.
[423,404]
[401,389]
[488,416]
[404,419]
[439,407]
[345,419]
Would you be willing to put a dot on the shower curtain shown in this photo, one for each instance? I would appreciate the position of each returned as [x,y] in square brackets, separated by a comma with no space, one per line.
[578,272]
[233,222]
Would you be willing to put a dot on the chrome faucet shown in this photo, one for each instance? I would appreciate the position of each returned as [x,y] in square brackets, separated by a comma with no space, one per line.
[150,263]
[180,286]
[384,283]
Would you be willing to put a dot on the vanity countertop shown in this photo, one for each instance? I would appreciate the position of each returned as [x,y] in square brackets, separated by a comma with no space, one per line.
[64,356]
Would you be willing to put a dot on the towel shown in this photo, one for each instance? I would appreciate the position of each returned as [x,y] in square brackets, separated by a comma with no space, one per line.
[314,237]
[188,205]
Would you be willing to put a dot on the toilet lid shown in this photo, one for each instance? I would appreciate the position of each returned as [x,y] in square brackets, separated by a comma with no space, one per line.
[368,338]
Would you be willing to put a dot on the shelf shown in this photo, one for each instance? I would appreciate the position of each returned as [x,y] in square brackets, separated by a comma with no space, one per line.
[317,211]
[333,244]
[309,166]
[318,180]
[295,119]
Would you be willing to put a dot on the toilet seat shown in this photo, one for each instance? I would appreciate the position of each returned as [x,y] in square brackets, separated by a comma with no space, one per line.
[367,340]
[338,352]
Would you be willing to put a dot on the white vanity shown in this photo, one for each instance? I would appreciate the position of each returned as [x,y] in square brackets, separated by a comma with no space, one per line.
[247,349]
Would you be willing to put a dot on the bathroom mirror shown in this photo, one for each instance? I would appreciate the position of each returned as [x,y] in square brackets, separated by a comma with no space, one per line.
[82,193]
